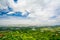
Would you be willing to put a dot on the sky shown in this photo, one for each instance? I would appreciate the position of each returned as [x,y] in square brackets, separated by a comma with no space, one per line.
[30,12]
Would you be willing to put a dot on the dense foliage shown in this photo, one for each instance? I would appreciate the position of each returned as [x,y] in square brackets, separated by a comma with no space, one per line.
[38,33]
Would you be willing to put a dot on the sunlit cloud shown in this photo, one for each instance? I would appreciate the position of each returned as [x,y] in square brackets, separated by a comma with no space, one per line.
[34,12]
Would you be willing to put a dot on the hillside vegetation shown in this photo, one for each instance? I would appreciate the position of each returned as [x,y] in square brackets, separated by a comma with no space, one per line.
[30,33]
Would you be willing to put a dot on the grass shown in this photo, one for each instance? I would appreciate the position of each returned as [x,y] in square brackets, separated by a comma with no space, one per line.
[27,33]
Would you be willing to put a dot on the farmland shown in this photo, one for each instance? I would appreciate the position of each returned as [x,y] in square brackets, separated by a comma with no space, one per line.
[30,33]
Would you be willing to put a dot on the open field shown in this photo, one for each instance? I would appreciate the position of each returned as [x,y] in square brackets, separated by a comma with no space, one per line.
[29,33]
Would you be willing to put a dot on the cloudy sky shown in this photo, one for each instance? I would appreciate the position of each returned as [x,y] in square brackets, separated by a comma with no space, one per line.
[30,12]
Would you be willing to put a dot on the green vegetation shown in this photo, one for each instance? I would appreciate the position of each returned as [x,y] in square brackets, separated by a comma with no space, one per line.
[30,33]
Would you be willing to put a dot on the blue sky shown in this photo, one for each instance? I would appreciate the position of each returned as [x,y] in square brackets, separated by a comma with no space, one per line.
[30,12]
[15,0]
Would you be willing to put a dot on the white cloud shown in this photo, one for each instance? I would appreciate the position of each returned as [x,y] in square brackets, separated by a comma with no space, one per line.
[41,12]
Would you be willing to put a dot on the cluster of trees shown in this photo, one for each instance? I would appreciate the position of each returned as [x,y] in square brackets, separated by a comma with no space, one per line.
[30,34]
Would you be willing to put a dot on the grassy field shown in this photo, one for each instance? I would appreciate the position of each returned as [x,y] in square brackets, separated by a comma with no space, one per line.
[29,33]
